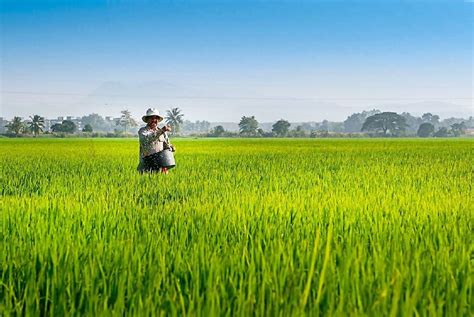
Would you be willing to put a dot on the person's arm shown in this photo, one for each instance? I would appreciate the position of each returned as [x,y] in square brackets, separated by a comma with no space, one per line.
[148,136]
[166,143]
[166,128]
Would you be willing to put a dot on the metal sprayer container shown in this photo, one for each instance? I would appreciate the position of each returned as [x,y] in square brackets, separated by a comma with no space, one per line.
[165,158]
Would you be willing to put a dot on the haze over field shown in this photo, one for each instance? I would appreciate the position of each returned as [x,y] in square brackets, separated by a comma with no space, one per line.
[218,61]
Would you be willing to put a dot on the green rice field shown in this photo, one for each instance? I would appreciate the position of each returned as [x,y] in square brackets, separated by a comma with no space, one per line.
[242,227]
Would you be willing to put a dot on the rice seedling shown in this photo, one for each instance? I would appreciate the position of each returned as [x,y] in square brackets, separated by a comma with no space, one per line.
[239,228]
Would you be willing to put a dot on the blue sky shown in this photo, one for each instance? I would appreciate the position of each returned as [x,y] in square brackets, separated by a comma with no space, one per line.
[220,60]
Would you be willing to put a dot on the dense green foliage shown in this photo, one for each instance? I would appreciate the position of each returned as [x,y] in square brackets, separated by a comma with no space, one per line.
[67,126]
[36,124]
[385,122]
[248,126]
[240,227]
[425,130]
[281,127]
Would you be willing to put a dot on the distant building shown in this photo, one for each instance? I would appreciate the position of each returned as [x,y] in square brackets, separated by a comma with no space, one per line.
[469,132]
[3,123]
[77,122]
[48,123]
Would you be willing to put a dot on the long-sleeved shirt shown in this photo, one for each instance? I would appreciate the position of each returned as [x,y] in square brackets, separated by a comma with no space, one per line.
[151,141]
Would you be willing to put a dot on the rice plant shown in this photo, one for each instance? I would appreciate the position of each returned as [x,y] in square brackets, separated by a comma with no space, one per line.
[247,227]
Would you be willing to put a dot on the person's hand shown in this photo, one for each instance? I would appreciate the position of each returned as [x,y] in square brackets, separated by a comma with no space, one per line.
[166,128]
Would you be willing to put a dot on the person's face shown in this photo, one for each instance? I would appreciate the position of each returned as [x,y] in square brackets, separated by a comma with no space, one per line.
[153,122]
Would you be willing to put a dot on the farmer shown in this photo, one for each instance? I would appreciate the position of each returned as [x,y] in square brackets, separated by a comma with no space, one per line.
[152,140]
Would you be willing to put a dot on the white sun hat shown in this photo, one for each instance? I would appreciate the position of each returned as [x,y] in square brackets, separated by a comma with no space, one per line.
[152,112]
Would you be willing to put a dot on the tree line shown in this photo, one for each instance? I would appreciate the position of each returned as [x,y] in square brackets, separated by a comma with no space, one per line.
[36,124]
[373,123]
[366,123]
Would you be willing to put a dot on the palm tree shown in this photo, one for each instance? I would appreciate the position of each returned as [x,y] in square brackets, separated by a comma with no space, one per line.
[175,118]
[16,126]
[248,126]
[126,120]
[36,124]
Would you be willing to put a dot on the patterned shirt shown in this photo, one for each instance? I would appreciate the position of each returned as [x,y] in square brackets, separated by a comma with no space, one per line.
[151,141]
